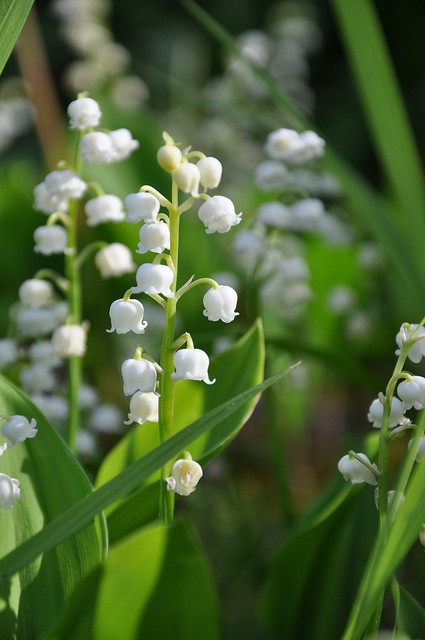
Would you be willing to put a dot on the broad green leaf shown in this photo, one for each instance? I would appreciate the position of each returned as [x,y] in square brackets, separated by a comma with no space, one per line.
[82,513]
[235,370]
[51,481]
[155,584]
[314,576]
[13,14]
[411,616]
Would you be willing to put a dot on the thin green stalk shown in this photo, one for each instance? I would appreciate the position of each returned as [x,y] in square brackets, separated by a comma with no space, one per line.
[72,273]
[166,401]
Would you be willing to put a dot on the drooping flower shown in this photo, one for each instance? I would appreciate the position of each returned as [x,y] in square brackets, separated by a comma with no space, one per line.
[127,315]
[143,407]
[210,170]
[96,147]
[9,491]
[191,364]
[35,293]
[50,239]
[220,304]
[412,392]
[106,208]
[114,260]
[218,214]
[17,429]
[356,472]
[417,349]
[64,184]
[123,144]
[376,412]
[154,237]
[154,279]
[185,475]
[141,207]
[138,375]
[69,340]
[84,113]
[187,177]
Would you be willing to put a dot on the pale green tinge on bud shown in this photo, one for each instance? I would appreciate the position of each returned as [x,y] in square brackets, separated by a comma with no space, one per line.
[185,475]
[355,472]
[169,157]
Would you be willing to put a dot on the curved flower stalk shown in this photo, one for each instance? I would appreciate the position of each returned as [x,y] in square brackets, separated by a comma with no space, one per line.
[50,304]
[151,384]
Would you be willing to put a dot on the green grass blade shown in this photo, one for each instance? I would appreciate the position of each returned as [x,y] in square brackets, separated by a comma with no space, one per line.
[13,14]
[84,511]
[384,109]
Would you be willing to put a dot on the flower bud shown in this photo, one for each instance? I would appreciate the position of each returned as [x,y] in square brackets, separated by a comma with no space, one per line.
[143,407]
[154,237]
[17,429]
[191,364]
[154,278]
[169,157]
[355,472]
[141,207]
[210,170]
[114,260]
[185,475]
[138,375]
[187,177]
[50,239]
[106,208]
[127,315]
[35,293]
[84,113]
[218,214]
[220,304]
[69,340]
[9,491]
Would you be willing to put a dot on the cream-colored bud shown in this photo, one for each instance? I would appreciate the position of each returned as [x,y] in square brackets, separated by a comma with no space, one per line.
[169,157]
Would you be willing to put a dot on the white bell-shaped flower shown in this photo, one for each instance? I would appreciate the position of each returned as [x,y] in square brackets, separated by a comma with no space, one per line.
[37,378]
[46,203]
[143,407]
[106,208]
[17,429]
[169,157]
[84,113]
[138,375]
[154,237]
[218,214]
[127,315]
[282,144]
[191,364]
[64,183]
[114,260]
[9,352]
[210,170]
[69,340]
[417,350]
[220,304]
[123,144]
[412,392]
[35,293]
[96,147]
[9,491]
[50,239]
[376,412]
[187,177]
[141,207]
[185,475]
[355,472]
[154,278]
[43,352]
[271,175]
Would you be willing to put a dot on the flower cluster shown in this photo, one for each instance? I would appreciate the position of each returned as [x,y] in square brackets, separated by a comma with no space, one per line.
[15,429]
[145,380]
[387,413]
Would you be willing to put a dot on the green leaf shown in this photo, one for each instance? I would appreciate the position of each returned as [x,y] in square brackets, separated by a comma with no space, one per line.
[13,14]
[314,576]
[411,616]
[236,370]
[81,514]
[155,584]
[51,481]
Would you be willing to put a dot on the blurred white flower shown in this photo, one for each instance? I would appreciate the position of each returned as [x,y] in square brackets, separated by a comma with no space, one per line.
[96,147]
[35,293]
[114,260]
[271,175]
[9,352]
[123,144]
[69,340]
[106,418]
[84,113]
[50,239]
[9,491]
[37,378]
[106,208]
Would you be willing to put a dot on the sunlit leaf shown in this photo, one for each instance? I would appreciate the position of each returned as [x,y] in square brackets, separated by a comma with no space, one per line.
[13,14]
[51,481]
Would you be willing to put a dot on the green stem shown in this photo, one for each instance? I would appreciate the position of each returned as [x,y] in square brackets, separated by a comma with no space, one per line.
[72,273]
[166,401]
